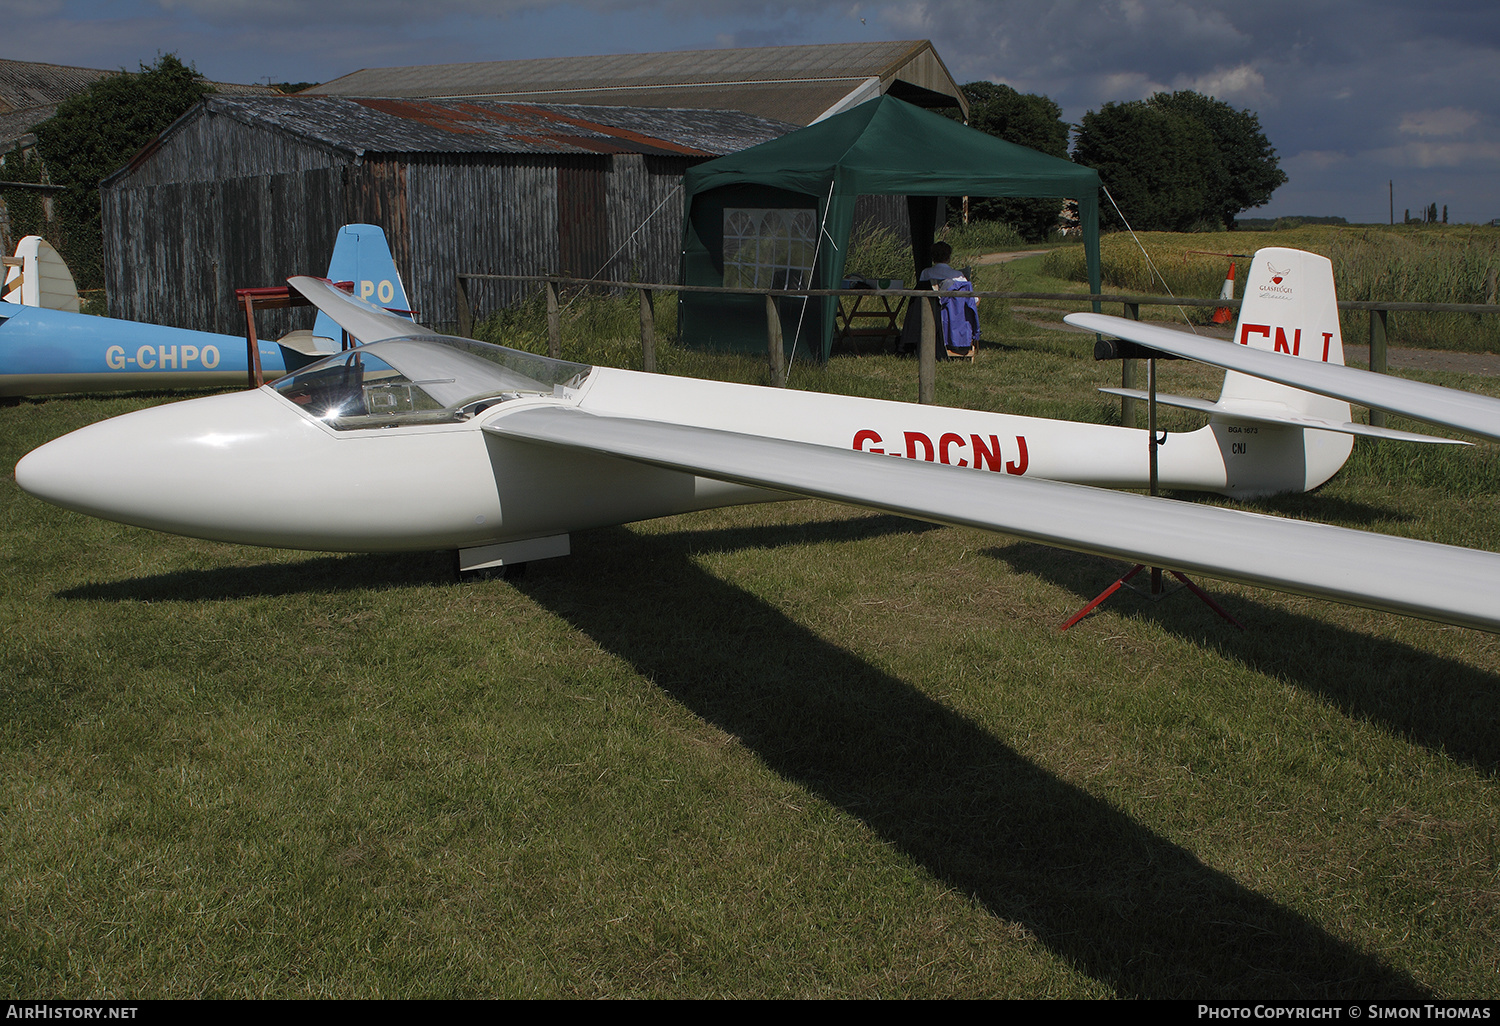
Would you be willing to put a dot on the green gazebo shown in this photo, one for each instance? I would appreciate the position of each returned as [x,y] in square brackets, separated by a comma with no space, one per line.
[778,215]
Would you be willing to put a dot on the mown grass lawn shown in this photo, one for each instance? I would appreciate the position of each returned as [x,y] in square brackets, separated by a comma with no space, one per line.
[792,750]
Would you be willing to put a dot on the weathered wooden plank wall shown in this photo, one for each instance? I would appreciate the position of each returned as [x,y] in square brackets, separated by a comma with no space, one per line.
[175,253]
[478,212]
[376,193]
[645,218]
[582,236]
[221,204]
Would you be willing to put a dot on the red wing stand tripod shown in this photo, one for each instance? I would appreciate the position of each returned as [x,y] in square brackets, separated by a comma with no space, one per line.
[1157,593]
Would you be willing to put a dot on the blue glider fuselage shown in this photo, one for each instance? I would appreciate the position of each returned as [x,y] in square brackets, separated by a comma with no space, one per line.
[49,351]
[45,351]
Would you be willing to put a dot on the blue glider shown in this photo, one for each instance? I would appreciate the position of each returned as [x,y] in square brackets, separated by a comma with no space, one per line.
[46,351]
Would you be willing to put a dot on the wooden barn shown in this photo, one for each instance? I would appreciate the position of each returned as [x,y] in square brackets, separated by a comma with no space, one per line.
[245,191]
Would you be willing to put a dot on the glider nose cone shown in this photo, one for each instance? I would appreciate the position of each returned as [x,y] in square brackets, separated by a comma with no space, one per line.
[173,468]
[51,473]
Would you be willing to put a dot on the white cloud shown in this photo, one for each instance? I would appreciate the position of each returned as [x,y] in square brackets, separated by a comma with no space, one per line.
[1444,121]
[1129,85]
[1242,85]
[353,12]
[1439,155]
[912,19]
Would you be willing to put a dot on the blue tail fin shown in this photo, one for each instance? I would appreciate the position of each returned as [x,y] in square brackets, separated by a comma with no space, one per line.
[362,255]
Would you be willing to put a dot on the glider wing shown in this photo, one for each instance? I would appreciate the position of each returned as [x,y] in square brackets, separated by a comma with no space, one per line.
[1415,578]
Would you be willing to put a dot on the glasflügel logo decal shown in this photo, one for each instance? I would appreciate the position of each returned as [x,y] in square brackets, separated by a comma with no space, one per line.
[1277,288]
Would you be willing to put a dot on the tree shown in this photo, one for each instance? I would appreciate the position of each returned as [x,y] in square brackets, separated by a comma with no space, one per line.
[24,207]
[1248,170]
[1185,160]
[1026,119]
[94,133]
[1158,165]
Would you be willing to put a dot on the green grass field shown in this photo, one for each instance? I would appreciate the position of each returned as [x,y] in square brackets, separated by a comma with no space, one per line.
[786,751]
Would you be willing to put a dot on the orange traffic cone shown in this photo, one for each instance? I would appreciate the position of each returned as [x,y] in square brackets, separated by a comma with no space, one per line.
[1223,313]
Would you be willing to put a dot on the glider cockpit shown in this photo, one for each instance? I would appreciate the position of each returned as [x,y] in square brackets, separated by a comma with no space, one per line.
[423,379]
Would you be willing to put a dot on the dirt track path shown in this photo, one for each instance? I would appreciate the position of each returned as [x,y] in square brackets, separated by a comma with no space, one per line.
[1005,258]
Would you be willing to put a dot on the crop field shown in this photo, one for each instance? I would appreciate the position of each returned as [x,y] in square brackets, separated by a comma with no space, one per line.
[794,750]
[1410,263]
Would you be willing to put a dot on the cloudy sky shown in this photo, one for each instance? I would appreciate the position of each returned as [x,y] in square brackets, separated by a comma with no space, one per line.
[1354,94]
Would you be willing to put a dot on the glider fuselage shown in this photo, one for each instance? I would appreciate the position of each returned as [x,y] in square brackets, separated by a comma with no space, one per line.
[45,352]
[48,350]
[256,467]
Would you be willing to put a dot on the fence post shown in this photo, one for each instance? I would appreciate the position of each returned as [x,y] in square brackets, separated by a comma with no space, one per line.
[774,350]
[927,355]
[648,332]
[554,322]
[252,347]
[465,312]
[1127,374]
[1377,356]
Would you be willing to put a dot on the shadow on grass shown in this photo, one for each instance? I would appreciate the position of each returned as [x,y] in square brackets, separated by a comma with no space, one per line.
[1118,902]
[317,574]
[1440,704]
[367,571]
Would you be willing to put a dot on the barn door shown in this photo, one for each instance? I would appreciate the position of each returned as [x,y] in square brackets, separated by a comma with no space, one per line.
[582,218]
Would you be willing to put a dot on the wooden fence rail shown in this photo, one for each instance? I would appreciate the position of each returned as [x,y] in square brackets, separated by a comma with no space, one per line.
[1378,310]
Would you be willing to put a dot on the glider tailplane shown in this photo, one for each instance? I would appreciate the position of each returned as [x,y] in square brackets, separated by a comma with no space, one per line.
[1290,308]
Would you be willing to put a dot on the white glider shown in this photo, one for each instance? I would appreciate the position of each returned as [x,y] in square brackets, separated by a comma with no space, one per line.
[420,442]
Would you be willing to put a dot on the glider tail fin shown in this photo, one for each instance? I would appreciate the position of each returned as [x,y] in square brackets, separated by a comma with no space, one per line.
[38,276]
[1290,308]
[362,255]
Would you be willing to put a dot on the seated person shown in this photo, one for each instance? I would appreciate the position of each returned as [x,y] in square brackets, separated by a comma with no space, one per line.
[940,272]
[958,327]
[958,318]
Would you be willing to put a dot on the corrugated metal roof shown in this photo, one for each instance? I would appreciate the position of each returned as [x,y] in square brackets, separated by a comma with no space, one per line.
[30,91]
[381,125]
[792,83]
[26,84]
